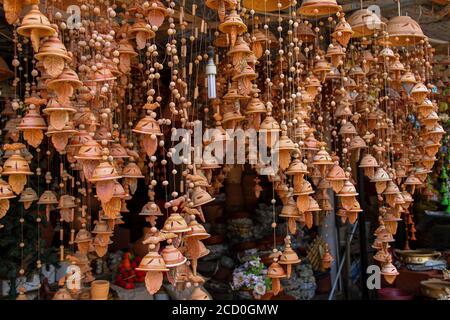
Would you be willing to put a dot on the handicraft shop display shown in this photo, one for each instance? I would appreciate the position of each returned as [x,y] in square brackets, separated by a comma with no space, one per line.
[153,93]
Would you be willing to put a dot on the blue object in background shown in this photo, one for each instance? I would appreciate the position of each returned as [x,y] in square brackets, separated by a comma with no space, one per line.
[355,270]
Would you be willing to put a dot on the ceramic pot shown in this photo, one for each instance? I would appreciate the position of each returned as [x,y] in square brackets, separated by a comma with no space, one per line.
[433,288]
[99,290]
[417,256]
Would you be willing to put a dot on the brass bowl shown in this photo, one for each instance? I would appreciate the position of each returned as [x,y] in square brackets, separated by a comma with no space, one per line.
[434,288]
[419,256]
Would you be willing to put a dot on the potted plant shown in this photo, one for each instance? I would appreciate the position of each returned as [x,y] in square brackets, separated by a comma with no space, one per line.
[250,280]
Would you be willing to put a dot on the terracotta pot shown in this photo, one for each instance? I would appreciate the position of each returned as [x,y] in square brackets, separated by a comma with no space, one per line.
[99,290]
[394,294]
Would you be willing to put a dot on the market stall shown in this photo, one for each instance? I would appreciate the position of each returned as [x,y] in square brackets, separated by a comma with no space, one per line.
[222,149]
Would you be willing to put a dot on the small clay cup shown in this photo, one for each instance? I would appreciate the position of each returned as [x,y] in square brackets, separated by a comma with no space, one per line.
[99,290]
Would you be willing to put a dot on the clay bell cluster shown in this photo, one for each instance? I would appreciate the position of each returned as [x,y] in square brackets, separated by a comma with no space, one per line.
[334,95]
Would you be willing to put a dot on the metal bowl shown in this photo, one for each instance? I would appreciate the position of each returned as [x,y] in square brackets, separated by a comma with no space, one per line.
[419,256]
[434,288]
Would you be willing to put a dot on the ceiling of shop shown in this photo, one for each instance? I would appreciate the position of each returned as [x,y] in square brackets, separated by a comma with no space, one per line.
[432,15]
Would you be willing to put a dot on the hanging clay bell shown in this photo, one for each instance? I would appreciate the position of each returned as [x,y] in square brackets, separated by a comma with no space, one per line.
[322,160]
[343,32]
[17,168]
[352,213]
[65,84]
[364,23]
[6,193]
[381,177]
[104,172]
[389,271]
[154,265]
[327,259]
[419,93]
[368,163]
[288,258]
[32,125]
[175,223]
[220,6]
[412,181]
[197,231]
[201,197]
[317,8]
[172,256]
[35,26]
[54,55]
[336,176]
[404,31]
[141,32]
[83,239]
[156,13]
[233,26]
[27,197]
[276,272]
[347,195]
